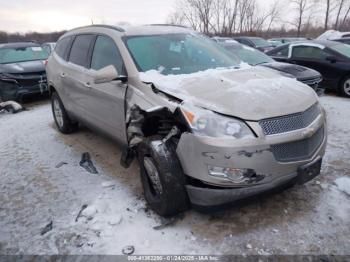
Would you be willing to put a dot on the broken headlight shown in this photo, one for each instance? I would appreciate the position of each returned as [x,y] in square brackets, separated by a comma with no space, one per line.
[207,123]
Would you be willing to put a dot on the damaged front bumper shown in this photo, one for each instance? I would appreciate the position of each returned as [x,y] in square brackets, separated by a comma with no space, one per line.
[266,159]
[13,87]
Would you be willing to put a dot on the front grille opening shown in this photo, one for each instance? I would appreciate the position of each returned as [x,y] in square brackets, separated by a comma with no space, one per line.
[291,122]
[298,150]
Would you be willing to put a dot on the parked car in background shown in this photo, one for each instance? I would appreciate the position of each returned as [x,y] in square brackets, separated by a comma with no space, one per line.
[344,40]
[331,59]
[255,42]
[22,70]
[333,34]
[284,40]
[255,57]
[48,47]
[206,130]
[220,39]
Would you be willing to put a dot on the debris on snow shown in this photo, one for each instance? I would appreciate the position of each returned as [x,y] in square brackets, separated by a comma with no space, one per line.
[115,220]
[60,164]
[164,222]
[81,210]
[89,212]
[11,107]
[128,250]
[108,184]
[87,163]
[343,184]
[47,228]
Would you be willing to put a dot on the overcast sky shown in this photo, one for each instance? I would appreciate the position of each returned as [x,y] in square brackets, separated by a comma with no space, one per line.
[51,15]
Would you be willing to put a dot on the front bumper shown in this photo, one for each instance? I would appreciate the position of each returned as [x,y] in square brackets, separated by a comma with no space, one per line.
[14,91]
[196,153]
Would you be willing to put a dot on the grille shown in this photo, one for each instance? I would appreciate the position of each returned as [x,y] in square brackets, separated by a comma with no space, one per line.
[299,150]
[291,122]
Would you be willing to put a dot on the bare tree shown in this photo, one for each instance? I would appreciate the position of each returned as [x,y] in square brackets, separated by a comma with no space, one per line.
[302,8]
[328,7]
[340,6]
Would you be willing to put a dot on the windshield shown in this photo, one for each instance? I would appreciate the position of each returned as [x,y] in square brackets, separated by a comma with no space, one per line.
[249,55]
[16,55]
[260,42]
[342,49]
[178,53]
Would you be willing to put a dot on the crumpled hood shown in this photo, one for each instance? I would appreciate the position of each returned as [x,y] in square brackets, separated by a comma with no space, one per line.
[23,67]
[299,72]
[250,94]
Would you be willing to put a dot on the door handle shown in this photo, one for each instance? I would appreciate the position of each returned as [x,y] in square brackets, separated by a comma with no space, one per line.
[63,75]
[87,84]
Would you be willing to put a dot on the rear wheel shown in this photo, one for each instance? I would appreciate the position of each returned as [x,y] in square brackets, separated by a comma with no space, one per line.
[62,120]
[345,87]
[162,177]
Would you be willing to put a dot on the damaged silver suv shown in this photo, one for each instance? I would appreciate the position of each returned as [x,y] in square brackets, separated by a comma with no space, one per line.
[207,129]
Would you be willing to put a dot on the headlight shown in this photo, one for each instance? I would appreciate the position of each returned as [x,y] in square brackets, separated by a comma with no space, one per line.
[207,123]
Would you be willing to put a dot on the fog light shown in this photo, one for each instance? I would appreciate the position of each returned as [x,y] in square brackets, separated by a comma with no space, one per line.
[235,175]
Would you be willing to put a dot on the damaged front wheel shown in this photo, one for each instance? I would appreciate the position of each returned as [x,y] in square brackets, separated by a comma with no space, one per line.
[162,177]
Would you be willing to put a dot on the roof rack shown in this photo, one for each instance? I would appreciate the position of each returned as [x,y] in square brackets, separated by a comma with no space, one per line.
[167,25]
[117,28]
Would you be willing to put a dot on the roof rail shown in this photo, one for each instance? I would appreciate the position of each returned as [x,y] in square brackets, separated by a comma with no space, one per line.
[117,28]
[168,25]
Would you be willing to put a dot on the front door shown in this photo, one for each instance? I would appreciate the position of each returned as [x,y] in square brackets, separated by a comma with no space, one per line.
[107,101]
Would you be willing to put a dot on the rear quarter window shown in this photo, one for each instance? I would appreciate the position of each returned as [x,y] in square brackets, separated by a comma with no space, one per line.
[62,47]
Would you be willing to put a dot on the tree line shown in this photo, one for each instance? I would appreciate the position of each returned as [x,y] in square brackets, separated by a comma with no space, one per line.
[256,17]
[31,36]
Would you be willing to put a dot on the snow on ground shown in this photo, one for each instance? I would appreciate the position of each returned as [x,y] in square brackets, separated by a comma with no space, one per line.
[309,219]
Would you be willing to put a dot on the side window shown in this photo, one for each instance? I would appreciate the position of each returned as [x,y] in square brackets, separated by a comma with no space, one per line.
[106,53]
[309,52]
[280,52]
[62,47]
[79,53]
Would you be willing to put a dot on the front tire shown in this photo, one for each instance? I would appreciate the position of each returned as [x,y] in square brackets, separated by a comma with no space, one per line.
[344,88]
[62,120]
[162,177]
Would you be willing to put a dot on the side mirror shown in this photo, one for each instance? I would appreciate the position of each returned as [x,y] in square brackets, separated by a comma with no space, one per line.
[108,74]
[332,59]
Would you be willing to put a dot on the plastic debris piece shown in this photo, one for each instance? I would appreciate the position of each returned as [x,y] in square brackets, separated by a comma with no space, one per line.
[128,250]
[60,164]
[47,228]
[11,106]
[87,163]
[81,210]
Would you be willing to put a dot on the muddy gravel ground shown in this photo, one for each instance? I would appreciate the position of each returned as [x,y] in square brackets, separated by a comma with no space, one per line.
[42,181]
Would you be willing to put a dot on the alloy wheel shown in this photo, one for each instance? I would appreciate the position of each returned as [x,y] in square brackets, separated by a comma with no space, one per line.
[58,113]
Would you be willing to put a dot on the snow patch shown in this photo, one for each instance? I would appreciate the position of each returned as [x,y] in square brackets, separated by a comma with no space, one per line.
[343,183]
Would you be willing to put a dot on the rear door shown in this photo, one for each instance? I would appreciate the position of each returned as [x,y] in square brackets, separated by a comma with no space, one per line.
[106,102]
[78,89]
